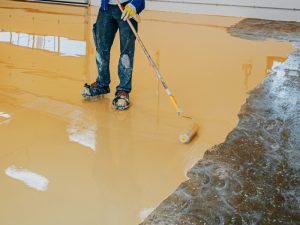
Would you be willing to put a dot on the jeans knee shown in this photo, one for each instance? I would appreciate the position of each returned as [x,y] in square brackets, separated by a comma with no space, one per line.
[125,61]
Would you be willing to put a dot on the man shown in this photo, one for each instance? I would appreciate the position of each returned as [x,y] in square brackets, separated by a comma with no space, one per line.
[109,20]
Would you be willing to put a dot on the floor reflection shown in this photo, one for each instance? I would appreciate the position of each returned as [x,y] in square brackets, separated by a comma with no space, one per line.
[31,179]
[63,46]
[4,118]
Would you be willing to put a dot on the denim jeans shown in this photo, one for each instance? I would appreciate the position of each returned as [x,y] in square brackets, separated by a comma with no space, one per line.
[104,31]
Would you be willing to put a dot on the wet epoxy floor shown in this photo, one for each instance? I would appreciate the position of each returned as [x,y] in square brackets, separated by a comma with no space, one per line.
[67,161]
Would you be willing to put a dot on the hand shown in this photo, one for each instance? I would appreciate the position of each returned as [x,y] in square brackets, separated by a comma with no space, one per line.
[128,12]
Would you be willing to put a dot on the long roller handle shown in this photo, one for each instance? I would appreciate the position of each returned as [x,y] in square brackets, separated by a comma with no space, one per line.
[158,74]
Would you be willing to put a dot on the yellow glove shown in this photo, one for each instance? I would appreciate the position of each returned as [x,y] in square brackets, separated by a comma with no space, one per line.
[128,12]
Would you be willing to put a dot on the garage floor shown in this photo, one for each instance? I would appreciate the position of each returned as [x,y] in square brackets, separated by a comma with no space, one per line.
[67,161]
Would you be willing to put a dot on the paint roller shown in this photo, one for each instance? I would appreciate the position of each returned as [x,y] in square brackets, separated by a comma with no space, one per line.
[190,133]
[186,136]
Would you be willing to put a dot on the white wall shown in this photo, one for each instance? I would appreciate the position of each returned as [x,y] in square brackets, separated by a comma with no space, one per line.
[95,2]
[287,10]
[280,4]
[63,1]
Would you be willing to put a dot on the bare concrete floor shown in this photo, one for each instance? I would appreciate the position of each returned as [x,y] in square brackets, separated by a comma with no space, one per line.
[66,161]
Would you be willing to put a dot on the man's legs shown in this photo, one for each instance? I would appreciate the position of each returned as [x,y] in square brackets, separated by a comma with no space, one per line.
[104,32]
[127,47]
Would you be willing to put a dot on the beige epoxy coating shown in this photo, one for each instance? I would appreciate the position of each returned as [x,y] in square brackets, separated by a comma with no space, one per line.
[66,161]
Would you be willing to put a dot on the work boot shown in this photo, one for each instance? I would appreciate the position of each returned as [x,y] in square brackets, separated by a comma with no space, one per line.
[121,100]
[94,90]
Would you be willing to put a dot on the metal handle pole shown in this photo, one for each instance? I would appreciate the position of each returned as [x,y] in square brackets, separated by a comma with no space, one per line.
[158,74]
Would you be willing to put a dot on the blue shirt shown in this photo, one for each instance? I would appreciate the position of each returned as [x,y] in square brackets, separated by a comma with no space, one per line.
[138,4]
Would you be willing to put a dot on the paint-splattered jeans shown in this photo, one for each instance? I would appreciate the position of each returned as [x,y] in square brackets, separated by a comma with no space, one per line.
[104,31]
